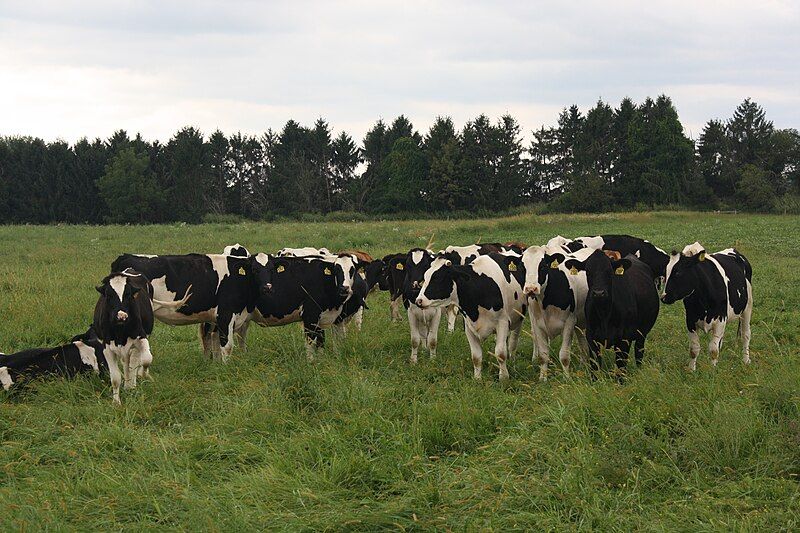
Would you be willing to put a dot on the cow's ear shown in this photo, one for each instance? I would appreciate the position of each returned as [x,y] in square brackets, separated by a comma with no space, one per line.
[621,266]
[574,264]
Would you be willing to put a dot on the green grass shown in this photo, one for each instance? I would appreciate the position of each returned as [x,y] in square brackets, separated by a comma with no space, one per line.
[360,440]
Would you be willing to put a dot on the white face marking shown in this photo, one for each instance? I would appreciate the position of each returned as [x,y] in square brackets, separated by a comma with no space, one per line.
[437,264]
[118,284]
[262,259]
[5,378]
[416,256]
[348,267]
[531,259]
[673,260]
[693,249]
[87,355]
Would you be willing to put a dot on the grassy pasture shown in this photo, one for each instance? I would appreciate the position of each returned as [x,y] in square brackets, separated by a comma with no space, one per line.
[360,440]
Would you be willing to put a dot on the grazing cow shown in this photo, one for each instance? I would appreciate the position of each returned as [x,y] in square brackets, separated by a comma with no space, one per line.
[488,291]
[423,323]
[303,252]
[224,293]
[391,279]
[462,255]
[236,250]
[313,290]
[123,320]
[556,296]
[621,305]
[647,252]
[714,288]
[84,353]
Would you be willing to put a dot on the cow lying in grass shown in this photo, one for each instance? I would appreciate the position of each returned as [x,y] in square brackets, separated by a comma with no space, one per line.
[83,354]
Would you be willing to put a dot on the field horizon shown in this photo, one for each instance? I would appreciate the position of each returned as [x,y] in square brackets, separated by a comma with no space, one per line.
[360,439]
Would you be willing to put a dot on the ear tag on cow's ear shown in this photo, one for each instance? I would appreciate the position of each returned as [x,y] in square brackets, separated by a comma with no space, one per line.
[361,270]
[242,271]
[280,268]
[554,264]
[619,271]
[399,266]
[327,271]
[702,256]
[573,271]
[512,267]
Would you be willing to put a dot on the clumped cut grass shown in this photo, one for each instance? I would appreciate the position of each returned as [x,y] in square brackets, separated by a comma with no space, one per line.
[360,440]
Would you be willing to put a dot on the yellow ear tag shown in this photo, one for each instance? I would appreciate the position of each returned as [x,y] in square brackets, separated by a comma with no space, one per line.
[619,271]
[573,271]
[702,257]
[399,266]
[512,267]
[242,271]
[280,268]
[327,271]
[554,264]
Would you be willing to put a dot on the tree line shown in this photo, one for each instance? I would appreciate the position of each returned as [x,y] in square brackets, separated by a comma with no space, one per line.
[631,156]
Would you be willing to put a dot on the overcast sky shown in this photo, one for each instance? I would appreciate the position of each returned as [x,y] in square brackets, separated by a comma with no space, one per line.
[70,69]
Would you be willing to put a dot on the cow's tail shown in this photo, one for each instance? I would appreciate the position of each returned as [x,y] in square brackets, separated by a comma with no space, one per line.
[158,304]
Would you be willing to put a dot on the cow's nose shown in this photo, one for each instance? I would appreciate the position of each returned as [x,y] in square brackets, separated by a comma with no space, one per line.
[600,293]
[122,316]
[531,290]
[415,285]
[266,288]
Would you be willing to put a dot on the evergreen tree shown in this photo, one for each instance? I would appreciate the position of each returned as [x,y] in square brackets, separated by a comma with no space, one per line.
[545,178]
[749,135]
[345,158]
[218,160]
[130,192]
[444,190]
[189,173]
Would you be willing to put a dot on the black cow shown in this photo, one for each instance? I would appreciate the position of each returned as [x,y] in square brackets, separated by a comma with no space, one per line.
[644,250]
[391,279]
[313,290]
[488,292]
[714,288]
[84,353]
[123,320]
[621,305]
[224,292]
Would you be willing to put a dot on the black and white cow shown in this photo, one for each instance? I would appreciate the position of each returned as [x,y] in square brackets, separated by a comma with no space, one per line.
[462,255]
[647,252]
[714,288]
[223,294]
[423,322]
[621,305]
[391,280]
[312,290]
[84,353]
[363,285]
[123,321]
[557,295]
[488,292]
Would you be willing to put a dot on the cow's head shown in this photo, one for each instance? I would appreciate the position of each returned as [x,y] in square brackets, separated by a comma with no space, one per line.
[118,292]
[236,250]
[532,258]
[345,268]
[599,268]
[417,262]
[439,283]
[682,275]
[374,273]
[263,268]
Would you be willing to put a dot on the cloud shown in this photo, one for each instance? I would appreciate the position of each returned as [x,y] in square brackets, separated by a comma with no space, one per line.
[70,69]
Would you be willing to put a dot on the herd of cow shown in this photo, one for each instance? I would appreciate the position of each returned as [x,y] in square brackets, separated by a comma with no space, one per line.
[602,290]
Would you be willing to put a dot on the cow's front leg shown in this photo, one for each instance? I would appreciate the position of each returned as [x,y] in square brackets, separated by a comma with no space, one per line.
[432,337]
[128,367]
[225,323]
[205,338]
[744,324]
[475,349]
[394,308]
[694,349]
[315,339]
[358,318]
[414,327]
[513,340]
[241,335]
[113,372]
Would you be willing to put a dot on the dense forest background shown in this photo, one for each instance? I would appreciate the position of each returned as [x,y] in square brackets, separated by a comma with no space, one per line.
[628,157]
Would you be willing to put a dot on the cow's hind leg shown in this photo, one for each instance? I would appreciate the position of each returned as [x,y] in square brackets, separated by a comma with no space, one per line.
[416,336]
[638,349]
[315,339]
[476,351]
[145,358]
[128,370]
[241,336]
[694,349]
[566,344]
[501,349]
[744,325]
[452,316]
[717,332]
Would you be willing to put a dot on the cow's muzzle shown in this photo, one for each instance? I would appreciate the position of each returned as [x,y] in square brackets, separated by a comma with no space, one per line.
[266,289]
[345,292]
[531,291]
[122,316]
[599,293]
